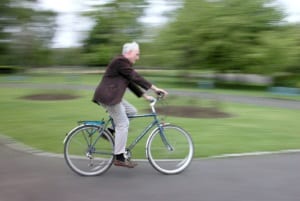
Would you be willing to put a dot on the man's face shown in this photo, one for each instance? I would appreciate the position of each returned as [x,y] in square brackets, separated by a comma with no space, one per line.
[134,55]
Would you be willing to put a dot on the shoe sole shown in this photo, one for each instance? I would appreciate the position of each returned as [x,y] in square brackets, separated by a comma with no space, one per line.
[125,165]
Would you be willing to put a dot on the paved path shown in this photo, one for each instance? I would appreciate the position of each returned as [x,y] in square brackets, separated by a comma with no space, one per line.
[252,100]
[27,177]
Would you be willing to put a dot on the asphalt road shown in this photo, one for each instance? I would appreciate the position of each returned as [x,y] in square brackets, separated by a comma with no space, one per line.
[31,177]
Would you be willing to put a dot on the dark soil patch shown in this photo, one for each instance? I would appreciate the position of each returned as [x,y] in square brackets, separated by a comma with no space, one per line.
[177,111]
[47,97]
[192,112]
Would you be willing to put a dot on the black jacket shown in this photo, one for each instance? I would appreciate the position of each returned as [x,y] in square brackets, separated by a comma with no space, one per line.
[119,76]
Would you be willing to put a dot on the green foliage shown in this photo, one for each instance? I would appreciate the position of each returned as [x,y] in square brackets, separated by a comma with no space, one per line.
[218,35]
[287,80]
[66,57]
[290,41]
[9,69]
[116,23]
[25,34]
[5,13]
[233,35]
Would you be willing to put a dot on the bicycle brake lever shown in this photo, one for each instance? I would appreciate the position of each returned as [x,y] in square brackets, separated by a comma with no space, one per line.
[160,95]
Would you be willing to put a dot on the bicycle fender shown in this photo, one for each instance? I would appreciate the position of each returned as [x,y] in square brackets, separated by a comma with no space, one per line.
[83,123]
[71,131]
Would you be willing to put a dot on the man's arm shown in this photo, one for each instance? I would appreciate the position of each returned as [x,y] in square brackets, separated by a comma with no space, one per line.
[126,70]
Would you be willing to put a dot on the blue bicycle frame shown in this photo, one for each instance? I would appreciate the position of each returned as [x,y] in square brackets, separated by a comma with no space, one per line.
[104,124]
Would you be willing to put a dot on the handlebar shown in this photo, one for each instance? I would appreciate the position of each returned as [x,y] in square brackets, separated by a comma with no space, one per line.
[160,94]
[159,97]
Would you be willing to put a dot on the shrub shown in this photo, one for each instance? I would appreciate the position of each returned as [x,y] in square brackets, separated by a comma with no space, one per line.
[287,80]
[9,69]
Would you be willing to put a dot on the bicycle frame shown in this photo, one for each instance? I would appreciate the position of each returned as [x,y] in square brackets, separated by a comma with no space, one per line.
[155,123]
[152,124]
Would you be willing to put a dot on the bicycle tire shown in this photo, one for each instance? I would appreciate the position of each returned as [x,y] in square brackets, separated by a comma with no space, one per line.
[162,158]
[86,152]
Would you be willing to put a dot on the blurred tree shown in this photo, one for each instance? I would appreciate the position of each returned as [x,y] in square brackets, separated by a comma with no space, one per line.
[67,56]
[116,23]
[291,50]
[223,35]
[25,33]
[7,13]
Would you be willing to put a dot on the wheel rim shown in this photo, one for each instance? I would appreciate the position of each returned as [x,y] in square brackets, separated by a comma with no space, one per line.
[86,153]
[170,161]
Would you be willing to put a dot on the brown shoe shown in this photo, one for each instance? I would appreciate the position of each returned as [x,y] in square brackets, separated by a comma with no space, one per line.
[126,163]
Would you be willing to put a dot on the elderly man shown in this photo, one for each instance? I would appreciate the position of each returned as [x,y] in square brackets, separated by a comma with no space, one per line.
[119,76]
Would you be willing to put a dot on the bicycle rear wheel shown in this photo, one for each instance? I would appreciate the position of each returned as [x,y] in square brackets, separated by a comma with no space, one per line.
[88,150]
[170,151]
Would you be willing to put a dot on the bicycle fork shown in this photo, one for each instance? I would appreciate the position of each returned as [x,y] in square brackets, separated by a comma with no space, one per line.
[164,138]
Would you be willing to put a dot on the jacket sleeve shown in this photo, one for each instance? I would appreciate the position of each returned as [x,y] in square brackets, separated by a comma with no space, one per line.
[135,89]
[133,77]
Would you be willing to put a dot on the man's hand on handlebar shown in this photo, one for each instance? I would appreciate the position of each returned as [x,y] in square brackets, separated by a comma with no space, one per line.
[160,92]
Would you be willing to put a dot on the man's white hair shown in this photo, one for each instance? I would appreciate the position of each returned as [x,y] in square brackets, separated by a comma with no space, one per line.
[127,47]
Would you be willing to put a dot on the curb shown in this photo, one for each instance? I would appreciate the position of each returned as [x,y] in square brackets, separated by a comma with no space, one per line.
[13,144]
[18,146]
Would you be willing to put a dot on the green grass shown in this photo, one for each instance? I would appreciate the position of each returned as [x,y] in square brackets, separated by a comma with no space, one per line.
[43,124]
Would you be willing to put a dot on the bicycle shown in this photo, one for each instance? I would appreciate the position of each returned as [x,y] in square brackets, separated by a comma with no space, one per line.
[88,148]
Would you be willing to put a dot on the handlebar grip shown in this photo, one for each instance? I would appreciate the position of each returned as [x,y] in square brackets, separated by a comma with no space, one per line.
[160,95]
[152,101]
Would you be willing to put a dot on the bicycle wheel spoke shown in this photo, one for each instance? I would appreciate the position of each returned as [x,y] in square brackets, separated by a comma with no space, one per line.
[170,152]
[87,153]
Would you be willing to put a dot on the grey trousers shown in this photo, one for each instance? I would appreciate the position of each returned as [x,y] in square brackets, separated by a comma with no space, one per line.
[119,113]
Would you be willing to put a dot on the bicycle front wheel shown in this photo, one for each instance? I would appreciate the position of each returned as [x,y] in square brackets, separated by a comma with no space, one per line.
[170,150]
[88,150]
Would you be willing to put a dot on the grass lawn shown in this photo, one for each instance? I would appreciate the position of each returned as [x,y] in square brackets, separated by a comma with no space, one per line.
[43,124]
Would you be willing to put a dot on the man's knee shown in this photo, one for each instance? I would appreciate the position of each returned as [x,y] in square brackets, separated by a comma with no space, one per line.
[132,111]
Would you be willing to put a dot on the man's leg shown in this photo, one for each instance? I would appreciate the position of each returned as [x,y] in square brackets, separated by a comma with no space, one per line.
[130,111]
[129,108]
[118,113]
